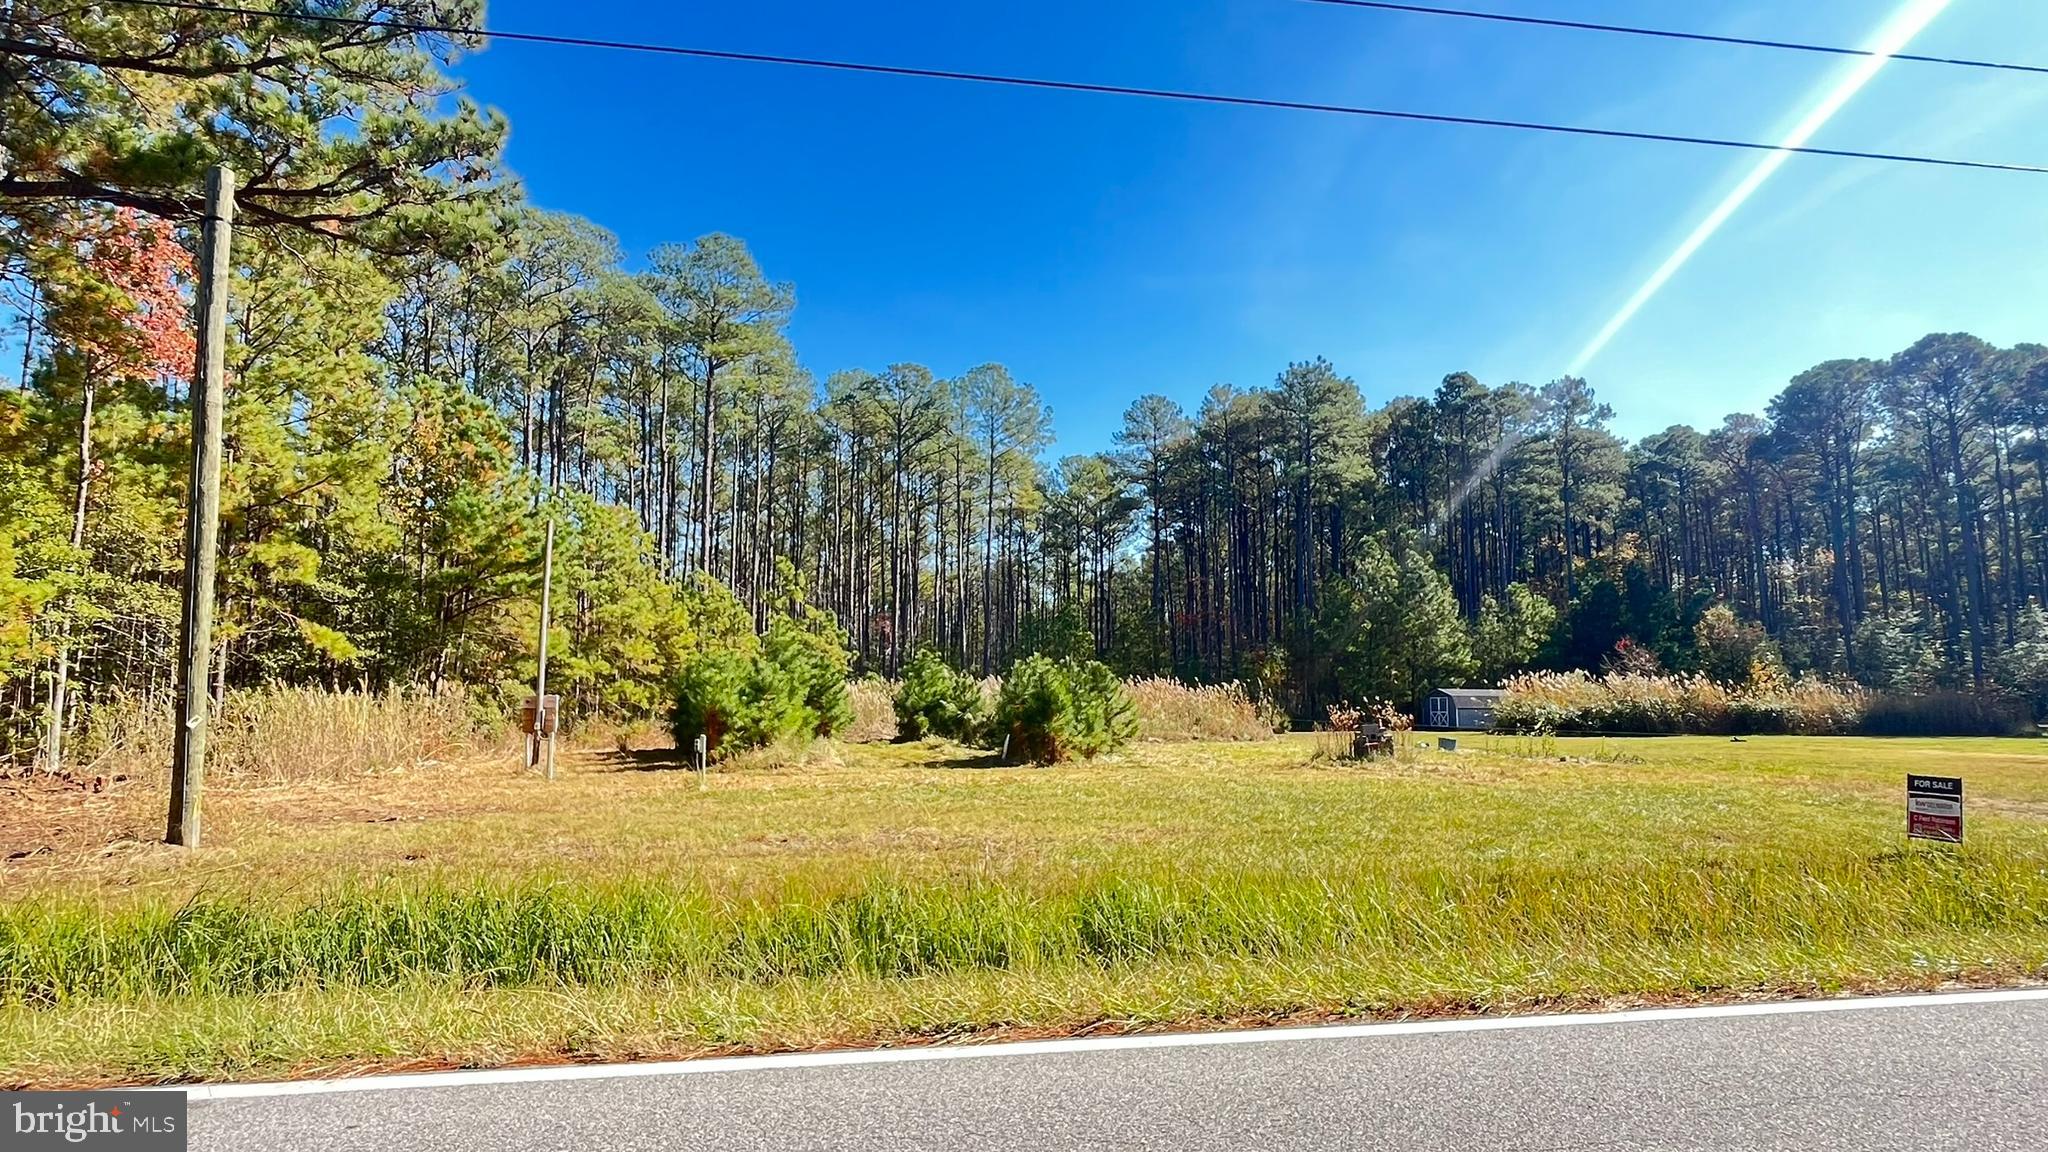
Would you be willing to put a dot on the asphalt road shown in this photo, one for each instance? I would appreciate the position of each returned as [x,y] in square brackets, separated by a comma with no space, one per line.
[1925,1076]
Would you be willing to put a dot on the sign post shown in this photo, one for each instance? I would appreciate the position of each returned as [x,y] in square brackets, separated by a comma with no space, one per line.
[1934,808]
[701,748]
[540,717]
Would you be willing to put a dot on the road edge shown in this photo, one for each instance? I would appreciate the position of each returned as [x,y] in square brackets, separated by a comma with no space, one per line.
[980,1051]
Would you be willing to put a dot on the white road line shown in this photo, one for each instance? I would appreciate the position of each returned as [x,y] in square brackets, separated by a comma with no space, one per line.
[785,1060]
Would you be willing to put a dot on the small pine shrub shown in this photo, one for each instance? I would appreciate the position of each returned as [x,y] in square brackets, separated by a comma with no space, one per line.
[710,700]
[739,702]
[793,689]
[1035,711]
[934,700]
[1108,718]
[811,654]
[1051,711]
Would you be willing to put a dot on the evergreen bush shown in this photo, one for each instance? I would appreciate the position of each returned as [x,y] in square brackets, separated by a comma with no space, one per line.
[934,700]
[1050,710]
[1108,718]
[791,686]
[811,656]
[710,699]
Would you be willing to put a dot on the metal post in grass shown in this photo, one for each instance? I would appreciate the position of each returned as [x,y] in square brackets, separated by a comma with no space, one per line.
[202,513]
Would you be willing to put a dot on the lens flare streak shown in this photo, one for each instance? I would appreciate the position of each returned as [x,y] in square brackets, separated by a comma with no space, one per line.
[1891,39]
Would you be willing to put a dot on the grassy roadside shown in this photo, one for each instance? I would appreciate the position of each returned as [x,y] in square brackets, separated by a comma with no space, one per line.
[340,1031]
[873,896]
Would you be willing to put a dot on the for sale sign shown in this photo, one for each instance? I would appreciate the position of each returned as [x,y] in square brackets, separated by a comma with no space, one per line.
[1934,808]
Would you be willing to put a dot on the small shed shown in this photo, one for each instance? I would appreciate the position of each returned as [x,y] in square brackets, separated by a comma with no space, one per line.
[1465,709]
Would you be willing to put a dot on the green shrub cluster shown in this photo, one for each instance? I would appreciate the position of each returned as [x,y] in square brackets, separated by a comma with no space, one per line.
[788,685]
[1049,711]
[934,700]
[1045,711]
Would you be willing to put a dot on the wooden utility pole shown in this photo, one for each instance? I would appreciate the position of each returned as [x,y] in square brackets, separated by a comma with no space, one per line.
[202,513]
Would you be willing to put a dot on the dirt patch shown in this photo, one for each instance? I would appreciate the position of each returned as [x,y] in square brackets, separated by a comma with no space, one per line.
[2017,809]
[45,816]
[58,825]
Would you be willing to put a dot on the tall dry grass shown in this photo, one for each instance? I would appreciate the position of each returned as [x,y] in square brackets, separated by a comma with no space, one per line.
[281,735]
[1171,710]
[1653,705]
[874,710]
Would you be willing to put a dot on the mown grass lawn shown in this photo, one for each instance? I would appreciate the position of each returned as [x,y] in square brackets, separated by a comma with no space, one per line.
[888,893]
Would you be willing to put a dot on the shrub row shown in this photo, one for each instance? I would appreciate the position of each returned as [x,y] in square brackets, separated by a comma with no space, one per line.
[933,700]
[1045,710]
[791,686]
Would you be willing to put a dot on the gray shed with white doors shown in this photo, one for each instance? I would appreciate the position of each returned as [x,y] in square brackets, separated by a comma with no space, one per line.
[1455,709]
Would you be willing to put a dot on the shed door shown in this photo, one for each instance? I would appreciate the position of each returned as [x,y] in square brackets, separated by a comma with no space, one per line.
[1440,712]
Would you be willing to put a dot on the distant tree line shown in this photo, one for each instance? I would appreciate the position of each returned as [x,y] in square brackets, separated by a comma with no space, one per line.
[424,368]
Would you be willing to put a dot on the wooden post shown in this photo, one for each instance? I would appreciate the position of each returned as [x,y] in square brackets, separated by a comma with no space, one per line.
[540,682]
[202,513]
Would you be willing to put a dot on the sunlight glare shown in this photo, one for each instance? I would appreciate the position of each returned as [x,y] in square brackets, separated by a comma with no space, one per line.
[1891,39]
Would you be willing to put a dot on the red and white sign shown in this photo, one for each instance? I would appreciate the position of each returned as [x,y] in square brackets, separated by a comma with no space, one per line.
[1934,808]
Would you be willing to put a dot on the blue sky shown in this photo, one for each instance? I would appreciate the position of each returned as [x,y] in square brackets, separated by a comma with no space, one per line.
[1105,247]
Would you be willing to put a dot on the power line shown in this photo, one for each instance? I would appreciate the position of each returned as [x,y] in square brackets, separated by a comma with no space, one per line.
[1671,34]
[1080,86]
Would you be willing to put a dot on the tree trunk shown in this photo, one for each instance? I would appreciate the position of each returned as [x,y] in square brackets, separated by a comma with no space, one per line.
[60,682]
[708,474]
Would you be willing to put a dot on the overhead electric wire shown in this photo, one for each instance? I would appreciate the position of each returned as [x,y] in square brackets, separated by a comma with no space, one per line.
[1670,34]
[1042,84]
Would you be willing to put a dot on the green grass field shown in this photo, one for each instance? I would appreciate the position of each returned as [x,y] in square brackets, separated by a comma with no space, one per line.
[885,894]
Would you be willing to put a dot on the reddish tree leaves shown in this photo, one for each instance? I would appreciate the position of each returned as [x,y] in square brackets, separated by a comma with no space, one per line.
[115,296]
